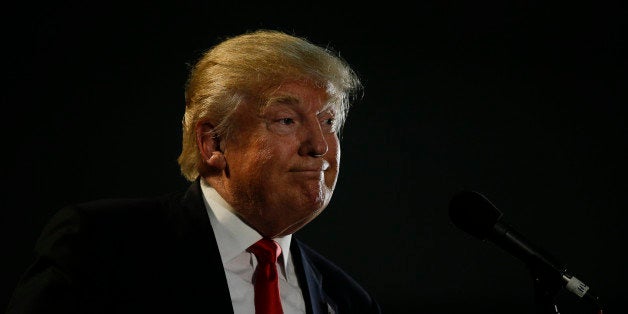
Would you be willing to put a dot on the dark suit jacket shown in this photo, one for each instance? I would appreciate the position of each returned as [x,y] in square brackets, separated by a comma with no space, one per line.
[155,256]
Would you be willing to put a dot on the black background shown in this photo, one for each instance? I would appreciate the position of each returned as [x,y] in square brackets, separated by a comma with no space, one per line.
[522,100]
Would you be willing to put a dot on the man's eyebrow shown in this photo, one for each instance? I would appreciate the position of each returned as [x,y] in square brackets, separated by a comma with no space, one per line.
[292,101]
[282,99]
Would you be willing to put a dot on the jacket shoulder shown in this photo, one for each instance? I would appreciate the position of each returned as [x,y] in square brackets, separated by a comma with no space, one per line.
[348,294]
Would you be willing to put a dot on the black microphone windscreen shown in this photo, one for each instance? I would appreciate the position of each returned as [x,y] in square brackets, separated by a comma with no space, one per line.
[473,213]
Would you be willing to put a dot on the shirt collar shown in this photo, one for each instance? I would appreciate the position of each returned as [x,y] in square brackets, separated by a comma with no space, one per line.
[232,234]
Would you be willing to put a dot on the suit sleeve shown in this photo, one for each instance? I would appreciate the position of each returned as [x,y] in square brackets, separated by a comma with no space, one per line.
[55,281]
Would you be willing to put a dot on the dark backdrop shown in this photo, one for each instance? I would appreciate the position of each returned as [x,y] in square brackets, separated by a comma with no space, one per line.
[521,100]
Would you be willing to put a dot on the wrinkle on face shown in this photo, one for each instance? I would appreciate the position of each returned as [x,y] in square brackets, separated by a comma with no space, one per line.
[274,185]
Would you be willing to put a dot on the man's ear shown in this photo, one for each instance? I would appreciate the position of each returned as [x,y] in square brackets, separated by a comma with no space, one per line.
[209,146]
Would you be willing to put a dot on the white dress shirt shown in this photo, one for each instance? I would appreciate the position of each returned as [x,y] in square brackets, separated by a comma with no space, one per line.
[234,237]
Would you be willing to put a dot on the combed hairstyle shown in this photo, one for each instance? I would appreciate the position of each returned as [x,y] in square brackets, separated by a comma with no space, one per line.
[246,68]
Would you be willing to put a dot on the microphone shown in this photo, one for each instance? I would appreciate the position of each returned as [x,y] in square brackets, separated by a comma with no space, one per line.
[473,213]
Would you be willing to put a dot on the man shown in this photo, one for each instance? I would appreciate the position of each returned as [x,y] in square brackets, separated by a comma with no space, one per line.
[261,149]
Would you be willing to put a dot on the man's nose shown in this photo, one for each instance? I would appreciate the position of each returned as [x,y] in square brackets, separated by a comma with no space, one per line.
[314,143]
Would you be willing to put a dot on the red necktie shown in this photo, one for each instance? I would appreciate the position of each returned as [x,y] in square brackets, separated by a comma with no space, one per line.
[265,278]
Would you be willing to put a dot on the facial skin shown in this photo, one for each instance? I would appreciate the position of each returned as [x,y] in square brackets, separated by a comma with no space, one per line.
[279,169]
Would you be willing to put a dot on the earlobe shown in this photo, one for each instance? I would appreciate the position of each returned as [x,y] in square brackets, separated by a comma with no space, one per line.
[217,160]
[209,146]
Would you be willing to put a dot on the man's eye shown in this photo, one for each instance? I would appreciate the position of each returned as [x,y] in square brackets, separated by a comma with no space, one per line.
[286,121]
[329,124]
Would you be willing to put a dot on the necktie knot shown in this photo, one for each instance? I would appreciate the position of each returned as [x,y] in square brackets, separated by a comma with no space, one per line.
[266,250]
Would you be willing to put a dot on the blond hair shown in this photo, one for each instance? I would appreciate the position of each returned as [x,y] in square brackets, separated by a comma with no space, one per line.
[247,66]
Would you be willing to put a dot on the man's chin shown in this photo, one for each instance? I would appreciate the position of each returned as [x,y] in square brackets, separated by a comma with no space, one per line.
[299,222]
[315,196]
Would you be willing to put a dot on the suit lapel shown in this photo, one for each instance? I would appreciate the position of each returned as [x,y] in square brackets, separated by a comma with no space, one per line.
[202,266]
[200,259]
[310,281]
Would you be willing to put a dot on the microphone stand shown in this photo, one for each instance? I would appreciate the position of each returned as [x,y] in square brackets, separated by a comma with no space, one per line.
[547,286]
[546,289]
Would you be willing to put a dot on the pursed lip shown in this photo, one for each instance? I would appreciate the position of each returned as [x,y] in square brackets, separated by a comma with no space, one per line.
[311,168]
[308,170]
[309,174]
